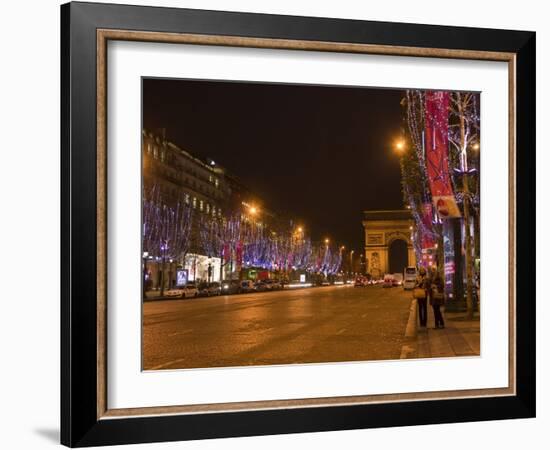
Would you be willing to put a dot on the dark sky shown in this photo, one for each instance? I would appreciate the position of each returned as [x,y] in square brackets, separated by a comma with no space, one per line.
[319,154]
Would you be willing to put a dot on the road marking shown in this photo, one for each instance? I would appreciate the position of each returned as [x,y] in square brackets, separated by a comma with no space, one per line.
[181,332]
[341,331]
[162,366]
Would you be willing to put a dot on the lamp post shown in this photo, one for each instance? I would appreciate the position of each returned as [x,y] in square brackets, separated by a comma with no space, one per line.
[324,267]
[351,262]
[144,286]
[170,274]
[253,212]
[163,261]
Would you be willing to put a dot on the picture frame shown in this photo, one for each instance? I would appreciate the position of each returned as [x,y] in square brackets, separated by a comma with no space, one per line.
[86,28]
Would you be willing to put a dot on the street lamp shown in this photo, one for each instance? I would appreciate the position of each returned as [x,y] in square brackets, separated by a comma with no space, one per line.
[400,146]
[145,256]
[351,261]
[327,240]
[163,248]
[170,274]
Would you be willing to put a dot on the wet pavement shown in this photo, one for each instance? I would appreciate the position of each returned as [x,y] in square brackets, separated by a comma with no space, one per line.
[323,324]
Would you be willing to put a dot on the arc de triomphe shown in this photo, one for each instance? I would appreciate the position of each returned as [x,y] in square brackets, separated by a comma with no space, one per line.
[382,229]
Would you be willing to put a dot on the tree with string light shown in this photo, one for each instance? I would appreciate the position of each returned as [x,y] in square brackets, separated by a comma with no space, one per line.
[166,228]
[463,136]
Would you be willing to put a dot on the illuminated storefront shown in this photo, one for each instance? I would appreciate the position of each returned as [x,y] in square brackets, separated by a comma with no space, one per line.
[202,268]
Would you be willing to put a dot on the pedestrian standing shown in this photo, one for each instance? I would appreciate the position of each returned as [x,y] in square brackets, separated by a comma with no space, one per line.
[437,296]
[420,292]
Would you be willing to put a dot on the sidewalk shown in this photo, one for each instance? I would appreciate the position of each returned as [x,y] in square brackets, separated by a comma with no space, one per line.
[460,337]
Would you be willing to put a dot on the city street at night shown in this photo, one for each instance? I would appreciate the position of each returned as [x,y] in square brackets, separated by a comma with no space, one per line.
[322,324]
[243,195]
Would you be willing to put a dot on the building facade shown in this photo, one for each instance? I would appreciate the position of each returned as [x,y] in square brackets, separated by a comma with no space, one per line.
[181,176]
[210,191]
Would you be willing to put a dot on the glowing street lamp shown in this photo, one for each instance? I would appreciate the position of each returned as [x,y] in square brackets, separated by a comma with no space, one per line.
[400,146]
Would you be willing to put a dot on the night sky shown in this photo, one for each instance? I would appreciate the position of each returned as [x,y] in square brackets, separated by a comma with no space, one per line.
[321,155]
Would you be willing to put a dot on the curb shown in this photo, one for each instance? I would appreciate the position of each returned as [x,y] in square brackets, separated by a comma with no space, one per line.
[410,331]
[408,349]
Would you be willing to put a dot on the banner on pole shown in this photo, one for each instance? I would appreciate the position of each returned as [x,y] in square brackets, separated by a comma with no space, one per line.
[427,239]
[437,150]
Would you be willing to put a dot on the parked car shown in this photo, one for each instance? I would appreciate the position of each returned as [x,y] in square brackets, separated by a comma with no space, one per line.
[360,282]
[187,291]
[214,288]
[397,279]
[388,280]
[247,286]
[275,284]
[230,287]
[262,285]
[203,289]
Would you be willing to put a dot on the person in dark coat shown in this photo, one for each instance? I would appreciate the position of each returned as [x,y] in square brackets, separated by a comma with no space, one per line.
[422,283]
[437,296]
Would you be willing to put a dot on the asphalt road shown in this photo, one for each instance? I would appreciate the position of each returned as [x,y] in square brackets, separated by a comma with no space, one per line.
[324,324]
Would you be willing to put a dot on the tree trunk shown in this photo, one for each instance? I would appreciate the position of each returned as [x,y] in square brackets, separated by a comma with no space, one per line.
[466,207]
[458,284]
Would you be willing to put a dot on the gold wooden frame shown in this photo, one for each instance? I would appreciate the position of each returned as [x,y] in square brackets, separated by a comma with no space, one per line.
[103,36]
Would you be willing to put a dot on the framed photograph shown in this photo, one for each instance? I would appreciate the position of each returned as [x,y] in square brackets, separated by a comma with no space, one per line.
[277,224]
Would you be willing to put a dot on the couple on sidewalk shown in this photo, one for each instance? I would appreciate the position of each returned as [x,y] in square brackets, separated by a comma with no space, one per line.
[429,287]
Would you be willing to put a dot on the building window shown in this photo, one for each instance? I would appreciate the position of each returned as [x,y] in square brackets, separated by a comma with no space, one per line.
[194,202]
[149,148]
[208,208]
[201,205]
[155,152]
[217,182]
[186,198]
